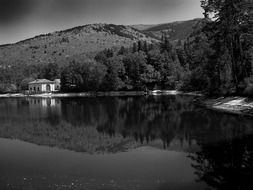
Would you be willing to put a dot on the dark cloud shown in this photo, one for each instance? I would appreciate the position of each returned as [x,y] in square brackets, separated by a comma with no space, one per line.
[14,10]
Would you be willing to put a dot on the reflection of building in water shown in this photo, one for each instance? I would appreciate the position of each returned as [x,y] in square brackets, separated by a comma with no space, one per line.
[44,107]
[23,110]
[44,102]
[47,102]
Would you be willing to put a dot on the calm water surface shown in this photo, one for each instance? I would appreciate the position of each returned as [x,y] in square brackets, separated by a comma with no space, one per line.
[139,143]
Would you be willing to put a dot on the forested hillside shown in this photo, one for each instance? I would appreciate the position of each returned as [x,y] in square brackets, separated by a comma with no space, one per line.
[175,30]
[60,47]
[85,41]
[46,56]
[213,55]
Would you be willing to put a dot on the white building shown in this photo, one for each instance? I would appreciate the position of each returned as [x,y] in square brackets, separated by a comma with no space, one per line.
[44,85]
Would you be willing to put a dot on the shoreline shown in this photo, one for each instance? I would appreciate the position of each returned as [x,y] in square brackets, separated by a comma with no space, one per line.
[101,94]
[236,105]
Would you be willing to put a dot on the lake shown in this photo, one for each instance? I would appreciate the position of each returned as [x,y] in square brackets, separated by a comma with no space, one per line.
[128,143]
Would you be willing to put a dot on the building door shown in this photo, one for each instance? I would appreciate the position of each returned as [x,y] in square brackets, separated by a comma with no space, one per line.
[48,88]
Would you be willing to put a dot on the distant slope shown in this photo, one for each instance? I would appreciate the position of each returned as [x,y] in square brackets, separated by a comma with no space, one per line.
[176,30]
[85,41]
[80,41]
[143,27]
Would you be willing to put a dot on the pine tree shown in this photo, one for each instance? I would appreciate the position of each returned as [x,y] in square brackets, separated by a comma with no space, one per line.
[230,33]
[140,46]
[135,47]
[145,47]
[122,51]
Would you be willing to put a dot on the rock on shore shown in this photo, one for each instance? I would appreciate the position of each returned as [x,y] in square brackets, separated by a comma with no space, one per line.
[235,105]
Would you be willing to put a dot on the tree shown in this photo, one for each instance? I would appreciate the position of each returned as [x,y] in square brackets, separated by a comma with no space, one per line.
[122,51]
[140,45]
[50,71]
[104,55]
[150,75]
[229,30]
[87,76]
[201,75]
[71,78]
[135,47]
[165,43]
[116,74]
[111,80]
[135,65]
[145,46]
[93,75]
[25,82]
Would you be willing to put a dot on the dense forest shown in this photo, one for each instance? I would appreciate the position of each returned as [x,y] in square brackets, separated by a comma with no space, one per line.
[217,58]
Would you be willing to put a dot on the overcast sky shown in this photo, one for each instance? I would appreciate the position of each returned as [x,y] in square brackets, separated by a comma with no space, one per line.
[21,19]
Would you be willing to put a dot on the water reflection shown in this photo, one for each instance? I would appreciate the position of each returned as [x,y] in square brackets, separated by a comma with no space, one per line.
[227,164]
[220,146]
[171,122]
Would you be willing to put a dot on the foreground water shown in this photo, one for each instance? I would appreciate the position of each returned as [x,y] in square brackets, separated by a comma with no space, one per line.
[109,143]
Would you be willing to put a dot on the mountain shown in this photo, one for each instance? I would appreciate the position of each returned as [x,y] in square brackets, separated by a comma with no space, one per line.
[143,27]
[80,41]
[175,30]
[85,41]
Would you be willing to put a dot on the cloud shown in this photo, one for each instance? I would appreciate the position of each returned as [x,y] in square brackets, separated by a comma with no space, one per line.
[13,10]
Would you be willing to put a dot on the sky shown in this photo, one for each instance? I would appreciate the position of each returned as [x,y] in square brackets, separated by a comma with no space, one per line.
[22,19]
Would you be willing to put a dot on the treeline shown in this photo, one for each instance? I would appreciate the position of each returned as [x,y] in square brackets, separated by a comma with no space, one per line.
[220,52]
[15,78]
[216,58]
[144,66]
[140,67]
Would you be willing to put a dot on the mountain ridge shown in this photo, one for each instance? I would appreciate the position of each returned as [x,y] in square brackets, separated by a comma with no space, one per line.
[65,30]
[177,30]
[139,27]
[85,41]
[57,46]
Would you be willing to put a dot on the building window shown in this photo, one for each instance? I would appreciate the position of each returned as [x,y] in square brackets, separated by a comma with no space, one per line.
[48,87]
[34,88]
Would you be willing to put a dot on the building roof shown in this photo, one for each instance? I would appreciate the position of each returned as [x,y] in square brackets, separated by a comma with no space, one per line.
[42,81]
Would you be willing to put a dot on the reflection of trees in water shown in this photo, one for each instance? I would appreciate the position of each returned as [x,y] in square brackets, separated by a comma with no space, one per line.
[146,119]
[64,135]
[227,164]
[167,118]
[225,159]
[89,111]
[141,119]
